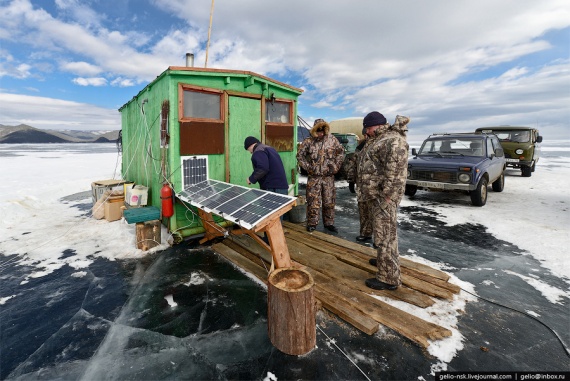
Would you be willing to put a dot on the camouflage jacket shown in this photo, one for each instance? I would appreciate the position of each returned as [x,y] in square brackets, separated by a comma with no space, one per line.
[321,157]
[383,163]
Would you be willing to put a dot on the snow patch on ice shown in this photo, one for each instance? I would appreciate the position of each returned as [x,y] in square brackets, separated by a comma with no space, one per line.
[270,377]
[196,278]
[170,300]
[5,299]
[443,313]
[552,294]
[489,283]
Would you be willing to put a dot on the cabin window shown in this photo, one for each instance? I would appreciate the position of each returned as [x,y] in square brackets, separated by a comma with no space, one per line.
[201,105]
[201,121]
[278,112]
[278,125]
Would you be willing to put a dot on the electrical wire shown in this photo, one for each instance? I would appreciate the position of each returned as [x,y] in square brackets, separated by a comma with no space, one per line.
[341,351]
[523,313]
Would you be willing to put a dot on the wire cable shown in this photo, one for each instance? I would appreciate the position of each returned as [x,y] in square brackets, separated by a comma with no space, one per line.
[341,351]
[523,313]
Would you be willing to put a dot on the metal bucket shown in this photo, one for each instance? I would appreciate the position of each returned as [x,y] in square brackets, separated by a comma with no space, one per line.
[298,214]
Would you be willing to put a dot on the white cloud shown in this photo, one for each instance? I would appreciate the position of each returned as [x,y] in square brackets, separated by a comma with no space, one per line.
[81,68]
[94,81]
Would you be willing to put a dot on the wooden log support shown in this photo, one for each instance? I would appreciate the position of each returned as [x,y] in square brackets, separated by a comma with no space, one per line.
[291,311]
[279,249]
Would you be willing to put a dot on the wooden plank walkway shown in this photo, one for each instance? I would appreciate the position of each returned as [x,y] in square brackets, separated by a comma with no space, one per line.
[339,268]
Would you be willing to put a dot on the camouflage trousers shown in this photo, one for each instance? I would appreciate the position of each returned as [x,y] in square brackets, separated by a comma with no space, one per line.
[365,220]
[385,222]
[321,193]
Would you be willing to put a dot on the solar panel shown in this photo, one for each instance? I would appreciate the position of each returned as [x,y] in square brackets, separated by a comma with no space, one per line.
[194,169]
[244,206]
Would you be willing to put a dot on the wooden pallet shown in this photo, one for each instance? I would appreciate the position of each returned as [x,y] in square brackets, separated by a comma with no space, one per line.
[339,268]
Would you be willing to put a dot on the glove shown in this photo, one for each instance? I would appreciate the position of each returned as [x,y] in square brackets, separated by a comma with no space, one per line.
[351,187]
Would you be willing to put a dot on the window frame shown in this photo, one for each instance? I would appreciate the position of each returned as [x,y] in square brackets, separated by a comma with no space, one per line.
[182,87]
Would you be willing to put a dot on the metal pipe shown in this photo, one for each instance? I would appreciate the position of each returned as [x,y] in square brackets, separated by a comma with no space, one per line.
[189,60]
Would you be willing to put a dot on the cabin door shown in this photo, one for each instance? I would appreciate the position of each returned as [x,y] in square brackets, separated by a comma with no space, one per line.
[244,119]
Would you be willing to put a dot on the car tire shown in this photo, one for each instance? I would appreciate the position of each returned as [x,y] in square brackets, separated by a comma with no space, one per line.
[499,184]
[533,167]
[479,195]
[526,171]
[410,190]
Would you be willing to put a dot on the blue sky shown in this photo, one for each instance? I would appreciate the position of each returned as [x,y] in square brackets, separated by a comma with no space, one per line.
[449,65]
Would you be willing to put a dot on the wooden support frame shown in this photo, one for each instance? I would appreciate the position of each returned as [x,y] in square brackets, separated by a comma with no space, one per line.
[270,226]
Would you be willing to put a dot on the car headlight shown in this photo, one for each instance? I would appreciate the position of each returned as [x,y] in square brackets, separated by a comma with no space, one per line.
[519,151]
[464,177]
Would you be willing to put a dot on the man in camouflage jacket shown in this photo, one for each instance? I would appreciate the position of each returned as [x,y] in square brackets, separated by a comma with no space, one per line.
[321,155]
[351,168]
[382,171]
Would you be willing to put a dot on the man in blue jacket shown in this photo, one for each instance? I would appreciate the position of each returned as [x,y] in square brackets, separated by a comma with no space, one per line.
[268,168]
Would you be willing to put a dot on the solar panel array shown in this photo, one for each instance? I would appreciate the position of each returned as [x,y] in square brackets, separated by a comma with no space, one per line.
[246,207]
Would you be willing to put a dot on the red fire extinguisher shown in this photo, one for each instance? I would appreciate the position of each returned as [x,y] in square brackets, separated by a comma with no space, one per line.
[167,204]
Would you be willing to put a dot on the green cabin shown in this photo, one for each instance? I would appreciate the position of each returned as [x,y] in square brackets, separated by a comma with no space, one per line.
[189,112]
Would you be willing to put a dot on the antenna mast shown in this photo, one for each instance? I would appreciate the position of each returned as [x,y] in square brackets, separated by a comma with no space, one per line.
[209,33]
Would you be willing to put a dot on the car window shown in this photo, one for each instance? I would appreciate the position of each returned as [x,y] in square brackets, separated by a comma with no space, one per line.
[467,146]
[490,148]
[517,136]
[496,144]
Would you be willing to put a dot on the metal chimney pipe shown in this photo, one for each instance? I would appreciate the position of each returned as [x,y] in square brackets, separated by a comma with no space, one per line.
[189,60]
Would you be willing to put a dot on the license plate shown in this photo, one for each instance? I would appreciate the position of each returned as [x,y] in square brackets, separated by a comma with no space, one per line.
[512,160]
[430,185]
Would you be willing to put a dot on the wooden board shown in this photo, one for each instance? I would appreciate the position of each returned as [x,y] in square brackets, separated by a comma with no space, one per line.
[368,251]
[352,305]
[330,301]
[410,278]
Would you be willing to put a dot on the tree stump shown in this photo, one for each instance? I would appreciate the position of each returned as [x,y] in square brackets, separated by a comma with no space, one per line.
[291,311]
[148,234]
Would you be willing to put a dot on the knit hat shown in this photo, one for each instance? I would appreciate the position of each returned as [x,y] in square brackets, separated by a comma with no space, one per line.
[373,119]
[249,141]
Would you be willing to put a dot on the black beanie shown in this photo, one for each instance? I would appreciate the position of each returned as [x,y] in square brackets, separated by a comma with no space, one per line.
[373,119]
[249,141]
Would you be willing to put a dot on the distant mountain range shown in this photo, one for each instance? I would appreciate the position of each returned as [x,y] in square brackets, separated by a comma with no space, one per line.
[24,134]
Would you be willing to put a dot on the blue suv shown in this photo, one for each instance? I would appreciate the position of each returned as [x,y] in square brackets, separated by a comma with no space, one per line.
[458,162]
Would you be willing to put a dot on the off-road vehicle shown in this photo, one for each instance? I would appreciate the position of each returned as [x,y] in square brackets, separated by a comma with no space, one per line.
[458,162]
[521,145]
[349,141]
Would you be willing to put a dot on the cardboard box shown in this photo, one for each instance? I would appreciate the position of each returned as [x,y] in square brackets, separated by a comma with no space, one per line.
[99,187]
[137,196]
[113,209]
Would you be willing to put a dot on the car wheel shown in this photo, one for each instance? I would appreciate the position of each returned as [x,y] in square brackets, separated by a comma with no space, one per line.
[526,171]
[499,184]
[533,167]
[479,195]
[410,190]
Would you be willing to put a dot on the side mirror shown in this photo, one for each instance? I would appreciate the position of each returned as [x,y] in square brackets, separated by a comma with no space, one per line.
[539,139]
[499,152]
[414,152]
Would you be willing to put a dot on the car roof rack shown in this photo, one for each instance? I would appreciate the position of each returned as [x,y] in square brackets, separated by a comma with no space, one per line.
[451,134]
